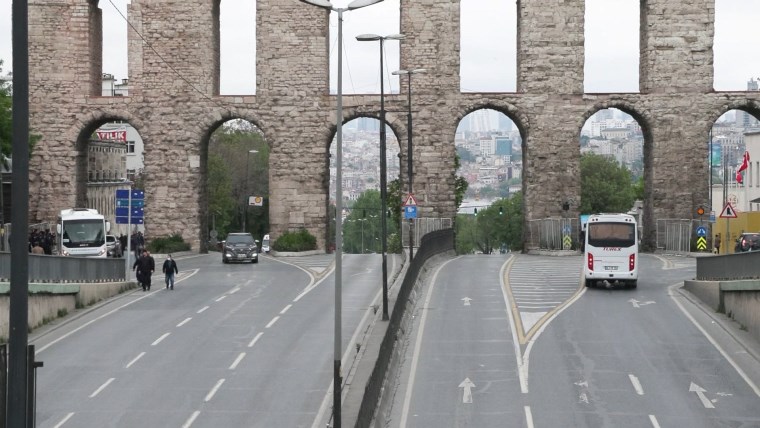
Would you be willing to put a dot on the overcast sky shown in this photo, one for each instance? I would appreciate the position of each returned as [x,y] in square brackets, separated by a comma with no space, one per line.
[487,45]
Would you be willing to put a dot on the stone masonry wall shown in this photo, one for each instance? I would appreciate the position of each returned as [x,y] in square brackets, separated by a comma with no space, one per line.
[174,104]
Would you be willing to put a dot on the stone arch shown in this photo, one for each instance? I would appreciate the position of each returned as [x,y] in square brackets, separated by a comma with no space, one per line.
[207,128]
[747,105]
[516,115]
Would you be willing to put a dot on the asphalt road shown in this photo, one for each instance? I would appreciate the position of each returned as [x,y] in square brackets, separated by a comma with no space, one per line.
[239,345]
[523,344]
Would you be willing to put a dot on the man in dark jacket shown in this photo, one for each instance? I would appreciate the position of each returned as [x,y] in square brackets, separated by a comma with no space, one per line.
[169,269]
[145,266]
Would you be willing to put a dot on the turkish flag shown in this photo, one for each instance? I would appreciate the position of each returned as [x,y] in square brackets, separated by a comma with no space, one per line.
[739,178]
[745,163]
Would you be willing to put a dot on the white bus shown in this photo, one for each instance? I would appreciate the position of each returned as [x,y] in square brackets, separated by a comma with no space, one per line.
[611,250]
[82,233]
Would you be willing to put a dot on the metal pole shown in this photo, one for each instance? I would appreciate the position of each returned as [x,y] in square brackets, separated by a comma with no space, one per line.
[409,159]
[383,187]
[245,196]
[19,293]
[338,231]
[129,236]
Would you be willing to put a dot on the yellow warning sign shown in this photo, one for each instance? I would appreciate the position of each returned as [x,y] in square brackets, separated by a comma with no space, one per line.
[701,243]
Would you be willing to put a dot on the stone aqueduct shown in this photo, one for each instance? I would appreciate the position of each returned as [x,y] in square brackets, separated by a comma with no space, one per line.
[174,104]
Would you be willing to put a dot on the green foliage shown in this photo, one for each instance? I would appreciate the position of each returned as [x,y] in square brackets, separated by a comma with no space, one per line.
[233,174]
[500,224]
[605,185]
[638,189]
[300,240]
[394,243]
[362,229]
[168,244]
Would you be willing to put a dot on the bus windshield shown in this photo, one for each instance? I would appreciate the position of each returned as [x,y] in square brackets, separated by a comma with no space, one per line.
[611,235]
[83,233]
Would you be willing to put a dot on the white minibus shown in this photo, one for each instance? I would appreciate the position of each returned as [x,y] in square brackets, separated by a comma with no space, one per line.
[611,250]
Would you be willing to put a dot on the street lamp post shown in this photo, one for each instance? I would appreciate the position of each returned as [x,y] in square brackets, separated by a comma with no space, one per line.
[383,164]
[409,170]
[247,192]
[325,4]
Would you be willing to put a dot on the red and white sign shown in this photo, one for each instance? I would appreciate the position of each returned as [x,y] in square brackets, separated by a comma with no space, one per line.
[112,134]
[728,211]
[410,201]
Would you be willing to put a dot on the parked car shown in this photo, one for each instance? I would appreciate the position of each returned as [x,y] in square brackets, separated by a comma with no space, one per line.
[748,241]
[113,246]
[239,247]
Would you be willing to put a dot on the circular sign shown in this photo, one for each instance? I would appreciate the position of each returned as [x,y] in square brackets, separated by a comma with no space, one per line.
[700,211]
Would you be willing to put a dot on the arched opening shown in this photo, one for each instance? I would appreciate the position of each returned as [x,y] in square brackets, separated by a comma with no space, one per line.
[361,60]
[735,63]
[611,34]
[235,168]
[489,182]
[361,194]
[237,47]
[109,29]
[734,162]
[612,165]
[488,40]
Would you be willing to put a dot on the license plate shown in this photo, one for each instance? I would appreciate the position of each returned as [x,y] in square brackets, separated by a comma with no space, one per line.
[241,256]
[610,268]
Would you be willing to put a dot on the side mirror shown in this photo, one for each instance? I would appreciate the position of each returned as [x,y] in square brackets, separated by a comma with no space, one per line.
[58,228]
[108,226]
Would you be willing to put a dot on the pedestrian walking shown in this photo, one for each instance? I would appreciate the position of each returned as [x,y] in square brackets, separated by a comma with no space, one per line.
[145,265]
[169,269]
[716,244]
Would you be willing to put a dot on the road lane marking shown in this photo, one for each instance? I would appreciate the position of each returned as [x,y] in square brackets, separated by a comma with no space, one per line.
[102,387]
[636,384]
[134,360]
[201,310]
[157,341]
[467,386]
[467,301]
[187,320]
[271,323]
[522,372]
[213,391]
[255,339]
[418,346]
[654,422]
[64,420]
[528,417]
[282,312]
[88,323]
[191,419]
[693,387]
[220,298]
[237,361]
[728,358]
[234,290]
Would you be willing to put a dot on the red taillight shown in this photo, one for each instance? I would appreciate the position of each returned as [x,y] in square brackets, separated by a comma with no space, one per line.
[631,262]
[590,261]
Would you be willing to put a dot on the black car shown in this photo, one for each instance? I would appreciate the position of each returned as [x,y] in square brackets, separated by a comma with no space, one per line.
[239,247]
[748,241]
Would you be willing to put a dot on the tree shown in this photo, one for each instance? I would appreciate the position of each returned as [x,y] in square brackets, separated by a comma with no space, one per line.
[362,231]
[460,183]
[500,224]
[605,185]
[221,204]
[6,102]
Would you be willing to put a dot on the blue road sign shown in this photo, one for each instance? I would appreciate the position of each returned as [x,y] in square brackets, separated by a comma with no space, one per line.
[125,220]
[124,194]
[124,212]
[566,229]
[410,211]
[701,231]
[135,203]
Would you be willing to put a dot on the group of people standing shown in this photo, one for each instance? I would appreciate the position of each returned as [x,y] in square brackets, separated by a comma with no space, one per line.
[41,241]
[145,265]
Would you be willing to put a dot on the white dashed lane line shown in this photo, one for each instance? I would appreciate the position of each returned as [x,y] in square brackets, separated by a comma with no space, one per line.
[157,341]
[255,339]
[185,321]
[237,361]
[271,323]
[213,391]
[102,387]
[134,360]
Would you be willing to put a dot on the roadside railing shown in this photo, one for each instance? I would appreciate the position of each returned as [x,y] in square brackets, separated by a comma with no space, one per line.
[553,234]
[729,267]
[44,268]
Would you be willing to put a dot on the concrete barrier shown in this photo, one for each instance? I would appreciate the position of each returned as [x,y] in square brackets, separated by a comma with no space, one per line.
[50,301]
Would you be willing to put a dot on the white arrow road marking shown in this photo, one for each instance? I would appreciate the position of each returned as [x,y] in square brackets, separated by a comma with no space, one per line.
[582,383]
[648,302]
[467,301]
[634,302]
[467,391]
[701,394]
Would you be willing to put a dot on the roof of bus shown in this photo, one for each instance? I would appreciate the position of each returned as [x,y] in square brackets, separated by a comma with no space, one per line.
[612,217]
[82,213]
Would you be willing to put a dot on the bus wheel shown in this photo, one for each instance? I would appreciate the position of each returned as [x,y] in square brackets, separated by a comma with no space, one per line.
[588,283]
[632,284]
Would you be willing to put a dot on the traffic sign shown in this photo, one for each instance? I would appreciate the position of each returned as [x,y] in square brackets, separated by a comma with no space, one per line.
[255,201]
[567,242]
[125,220]
[125,203]
[124,194]
[701,231]
[410,211]
[125,212]
[700,211]
[701,243]
[566,229]
[410,201]
[728,211]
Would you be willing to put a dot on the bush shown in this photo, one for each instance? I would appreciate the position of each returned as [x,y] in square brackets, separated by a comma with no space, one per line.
[301,240]
[169,244]
[394,243]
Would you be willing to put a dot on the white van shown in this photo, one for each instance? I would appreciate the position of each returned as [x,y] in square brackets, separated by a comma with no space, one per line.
[265,244]
[611,250]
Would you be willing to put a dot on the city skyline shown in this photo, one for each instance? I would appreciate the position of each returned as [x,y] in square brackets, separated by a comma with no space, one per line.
[487,45]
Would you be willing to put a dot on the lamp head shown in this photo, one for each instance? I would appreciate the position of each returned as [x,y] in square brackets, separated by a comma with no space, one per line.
[356,4]
[321,3]
[368,37]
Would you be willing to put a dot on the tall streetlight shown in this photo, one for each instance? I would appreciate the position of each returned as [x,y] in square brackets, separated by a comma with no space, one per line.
[383,162]
[325,4]
[247,192]
[409,143]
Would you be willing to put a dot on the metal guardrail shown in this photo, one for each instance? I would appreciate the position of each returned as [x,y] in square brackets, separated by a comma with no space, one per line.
[674,235]
[729,267]
[422,226]
[43,268]
[553,234]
